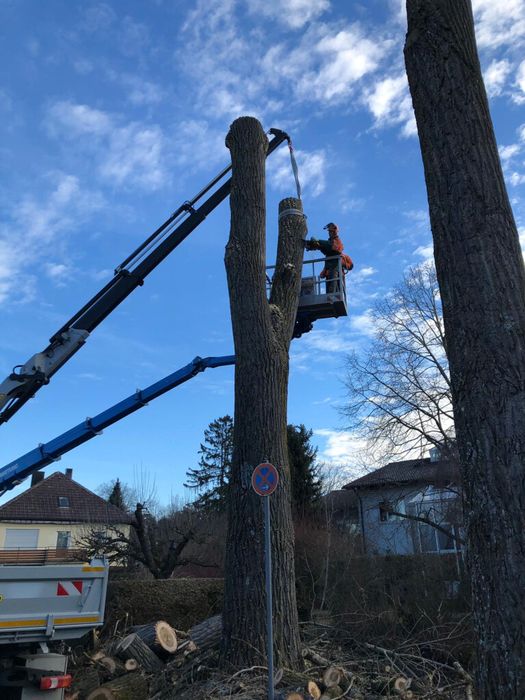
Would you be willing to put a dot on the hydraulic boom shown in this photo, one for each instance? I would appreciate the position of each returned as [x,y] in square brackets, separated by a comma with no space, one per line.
[15,472]
[26,379]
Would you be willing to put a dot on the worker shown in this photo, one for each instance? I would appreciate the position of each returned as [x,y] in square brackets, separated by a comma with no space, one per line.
[331,248]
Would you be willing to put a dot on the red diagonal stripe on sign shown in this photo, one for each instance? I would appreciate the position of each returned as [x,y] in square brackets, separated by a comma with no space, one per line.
[61,590]
[78,585]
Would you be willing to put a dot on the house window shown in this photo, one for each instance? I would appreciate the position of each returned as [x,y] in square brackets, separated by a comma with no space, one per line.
[63,502]
[63,539]
[18,538]
[428,538]
[386,508]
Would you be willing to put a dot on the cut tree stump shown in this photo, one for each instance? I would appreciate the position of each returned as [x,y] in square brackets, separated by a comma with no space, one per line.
[132,686]
[313,690]
[331,677]
[159,636]
[132,647]
[207,633]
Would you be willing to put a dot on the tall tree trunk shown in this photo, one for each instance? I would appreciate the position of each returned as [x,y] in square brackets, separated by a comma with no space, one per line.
[262,332]
[482,282]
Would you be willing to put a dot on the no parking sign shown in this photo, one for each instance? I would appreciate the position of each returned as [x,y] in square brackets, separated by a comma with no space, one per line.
[265,479]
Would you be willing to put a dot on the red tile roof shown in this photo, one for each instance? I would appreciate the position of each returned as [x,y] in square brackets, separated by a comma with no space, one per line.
[40,504]
[409,471]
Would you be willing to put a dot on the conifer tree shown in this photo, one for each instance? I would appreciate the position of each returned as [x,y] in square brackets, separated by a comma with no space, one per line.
[116,497]
[210,478]
[304,476]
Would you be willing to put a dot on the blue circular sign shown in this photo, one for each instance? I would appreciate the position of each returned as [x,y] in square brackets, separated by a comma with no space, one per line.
[265,479]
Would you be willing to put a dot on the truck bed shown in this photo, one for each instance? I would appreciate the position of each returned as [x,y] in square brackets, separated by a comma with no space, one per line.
[45,602]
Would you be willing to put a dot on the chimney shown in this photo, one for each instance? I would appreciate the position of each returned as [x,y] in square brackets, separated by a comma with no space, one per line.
[37,478]
[435,454]
[69,473]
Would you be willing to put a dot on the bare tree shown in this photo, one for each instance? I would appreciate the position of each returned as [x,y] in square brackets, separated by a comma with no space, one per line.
[482,281]
[159,544]
[262,333]
[399,396]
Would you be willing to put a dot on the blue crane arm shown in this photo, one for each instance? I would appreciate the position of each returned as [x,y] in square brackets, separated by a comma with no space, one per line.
[15,472]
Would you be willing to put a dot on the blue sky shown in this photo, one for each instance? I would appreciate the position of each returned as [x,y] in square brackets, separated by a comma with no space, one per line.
[112,114]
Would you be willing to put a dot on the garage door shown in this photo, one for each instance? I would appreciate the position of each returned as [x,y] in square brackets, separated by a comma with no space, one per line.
[21,539]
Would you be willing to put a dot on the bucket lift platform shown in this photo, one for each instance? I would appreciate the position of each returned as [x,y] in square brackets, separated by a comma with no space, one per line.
[318,298]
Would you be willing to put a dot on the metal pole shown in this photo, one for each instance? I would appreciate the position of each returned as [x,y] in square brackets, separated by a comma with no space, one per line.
[269,600]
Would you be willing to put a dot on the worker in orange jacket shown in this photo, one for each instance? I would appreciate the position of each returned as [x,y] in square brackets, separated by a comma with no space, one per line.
[330,248]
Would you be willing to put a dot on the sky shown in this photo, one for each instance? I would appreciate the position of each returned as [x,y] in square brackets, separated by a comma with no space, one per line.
[112,114]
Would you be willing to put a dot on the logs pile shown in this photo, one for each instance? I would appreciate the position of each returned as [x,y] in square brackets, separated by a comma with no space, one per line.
[156,662]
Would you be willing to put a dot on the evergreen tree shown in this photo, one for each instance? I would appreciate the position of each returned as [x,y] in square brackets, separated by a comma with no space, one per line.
[210,478]
[306,484]
[116,497]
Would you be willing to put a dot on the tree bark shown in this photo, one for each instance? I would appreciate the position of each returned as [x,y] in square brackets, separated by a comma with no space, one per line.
[132,686]
[262,332]
[132,647]
[482,282]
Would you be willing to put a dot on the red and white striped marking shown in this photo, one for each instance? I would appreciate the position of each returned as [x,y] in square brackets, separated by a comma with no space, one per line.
[69,588]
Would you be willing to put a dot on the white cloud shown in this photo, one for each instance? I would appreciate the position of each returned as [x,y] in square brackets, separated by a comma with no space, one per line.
[425,252]
[519,98]
[132,154]
[363,273]
[390,103]
[135,156]
[311,166]
[294,13]
[499,23]
[363,324]
[340,447]
[327,63]
[495,76]
[517,179]
[508,152]
[78,119]
[36,229]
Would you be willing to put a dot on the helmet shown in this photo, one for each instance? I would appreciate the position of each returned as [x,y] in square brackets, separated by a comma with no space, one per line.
[332,227]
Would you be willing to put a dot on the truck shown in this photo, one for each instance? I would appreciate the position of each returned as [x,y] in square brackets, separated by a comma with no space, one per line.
[43,605]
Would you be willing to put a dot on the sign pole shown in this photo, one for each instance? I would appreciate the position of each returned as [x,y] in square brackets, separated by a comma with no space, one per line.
[269,596]
[265,479]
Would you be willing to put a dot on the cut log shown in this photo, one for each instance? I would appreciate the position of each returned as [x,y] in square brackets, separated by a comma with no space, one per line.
[131,664]
[159,636]
[294,696]
[207,633]
[84,681]
[313,690]
[402,684]
[109,664]
[132,647]
[331,677]
[315,658]
[334,691]
[132,686]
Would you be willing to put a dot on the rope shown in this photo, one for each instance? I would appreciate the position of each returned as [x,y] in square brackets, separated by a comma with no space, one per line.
[291,212]
[295,169]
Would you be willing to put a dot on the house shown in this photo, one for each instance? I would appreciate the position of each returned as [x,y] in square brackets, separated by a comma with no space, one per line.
[410,507]
[54,514]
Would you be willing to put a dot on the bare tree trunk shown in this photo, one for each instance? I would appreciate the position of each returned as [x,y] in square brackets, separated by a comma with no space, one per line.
[482,281]
[262,333]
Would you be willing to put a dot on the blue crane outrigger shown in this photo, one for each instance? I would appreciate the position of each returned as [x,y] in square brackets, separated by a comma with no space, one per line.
[15,472]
